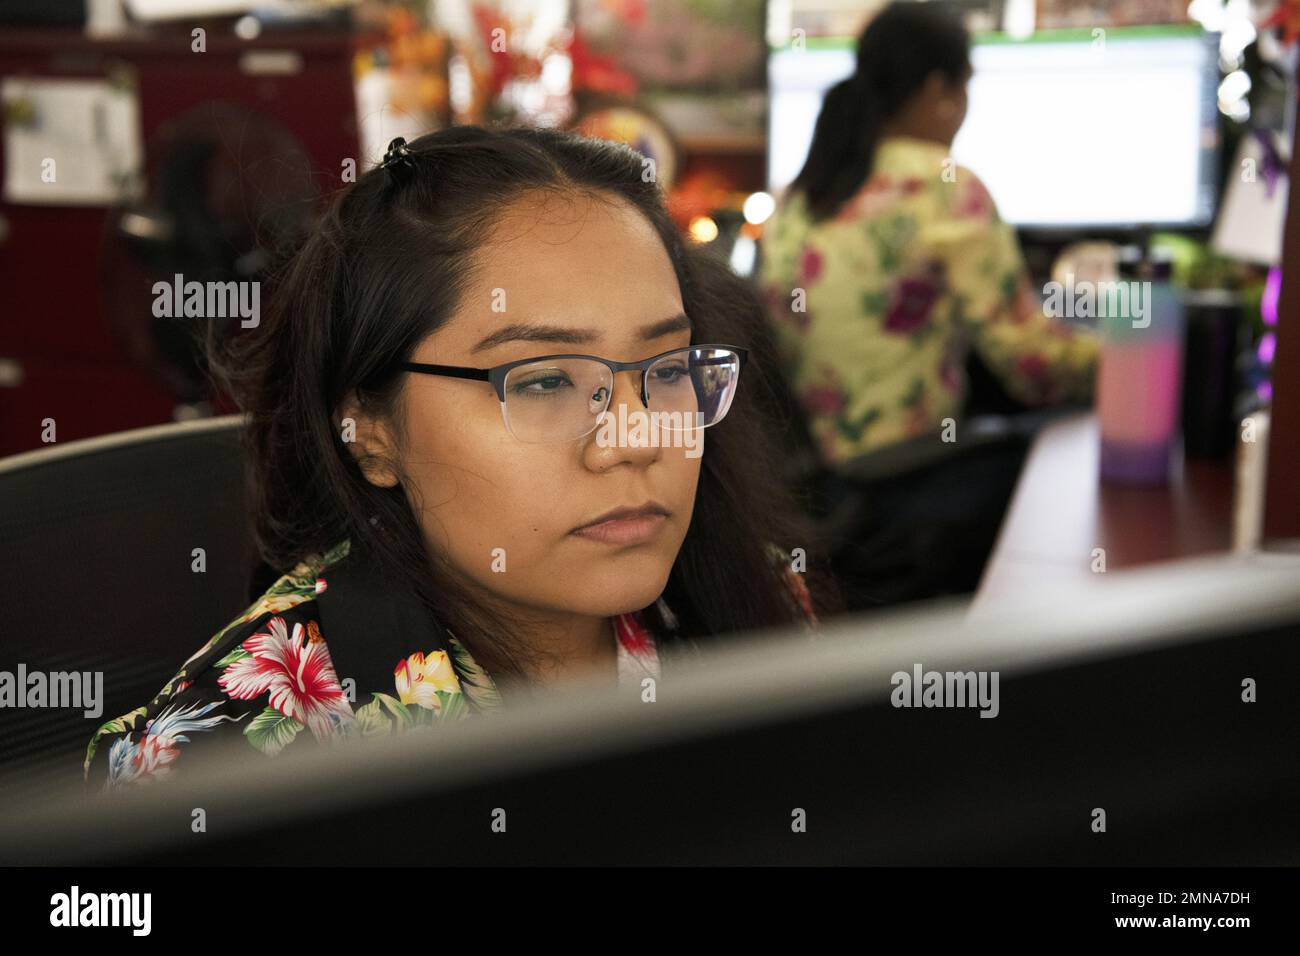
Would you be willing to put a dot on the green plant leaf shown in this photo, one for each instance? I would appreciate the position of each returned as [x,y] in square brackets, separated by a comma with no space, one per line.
[237,654]
[270,731]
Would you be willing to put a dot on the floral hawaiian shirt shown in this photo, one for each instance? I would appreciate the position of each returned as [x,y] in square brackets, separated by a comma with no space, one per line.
[876,308]
[270,675]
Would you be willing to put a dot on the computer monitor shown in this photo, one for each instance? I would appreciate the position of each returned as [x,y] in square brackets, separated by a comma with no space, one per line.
[1068,128]
[1159,703]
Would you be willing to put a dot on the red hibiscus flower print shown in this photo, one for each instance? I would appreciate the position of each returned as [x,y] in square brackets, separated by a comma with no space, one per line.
[913,302]
[298,674]
[810,265]
[631,633]
[153,757]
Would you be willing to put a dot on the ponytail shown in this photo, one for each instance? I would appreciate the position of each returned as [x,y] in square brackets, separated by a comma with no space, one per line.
[843,145]
[898,50]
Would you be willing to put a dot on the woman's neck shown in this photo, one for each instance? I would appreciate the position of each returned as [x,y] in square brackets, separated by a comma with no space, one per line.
[902,129]
[557,645]
[581,647]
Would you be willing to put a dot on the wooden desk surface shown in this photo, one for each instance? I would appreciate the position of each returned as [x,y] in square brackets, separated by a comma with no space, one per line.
[1061,512]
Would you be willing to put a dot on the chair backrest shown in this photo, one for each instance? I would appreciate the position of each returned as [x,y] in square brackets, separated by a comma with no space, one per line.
[98,574]
[919,519]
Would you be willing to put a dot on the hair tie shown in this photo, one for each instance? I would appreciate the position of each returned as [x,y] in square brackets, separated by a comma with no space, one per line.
[398,161]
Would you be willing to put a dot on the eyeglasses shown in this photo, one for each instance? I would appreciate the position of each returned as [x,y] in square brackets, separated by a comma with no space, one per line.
[555,398]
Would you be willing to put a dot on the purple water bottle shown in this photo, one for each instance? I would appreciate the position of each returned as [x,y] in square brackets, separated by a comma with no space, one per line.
[1139,381]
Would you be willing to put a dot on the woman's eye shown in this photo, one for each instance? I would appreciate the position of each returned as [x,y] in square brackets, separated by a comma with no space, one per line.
[542,385]
[671,373]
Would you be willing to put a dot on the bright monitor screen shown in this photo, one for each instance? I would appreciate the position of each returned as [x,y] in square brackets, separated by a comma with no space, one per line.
[1066,128]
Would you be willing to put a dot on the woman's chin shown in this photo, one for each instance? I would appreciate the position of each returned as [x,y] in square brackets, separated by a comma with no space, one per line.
[606,593]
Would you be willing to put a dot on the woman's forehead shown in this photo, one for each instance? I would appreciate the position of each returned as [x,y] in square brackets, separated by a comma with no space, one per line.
[571,275]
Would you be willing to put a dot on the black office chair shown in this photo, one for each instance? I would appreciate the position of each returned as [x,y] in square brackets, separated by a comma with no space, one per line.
[96,549]
[918,520]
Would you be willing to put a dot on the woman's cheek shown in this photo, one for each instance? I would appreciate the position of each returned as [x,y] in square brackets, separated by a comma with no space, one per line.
[686,475]
[508,518]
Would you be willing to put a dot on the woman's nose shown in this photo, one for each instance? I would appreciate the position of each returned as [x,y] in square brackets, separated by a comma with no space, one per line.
[627,390]
[626,438]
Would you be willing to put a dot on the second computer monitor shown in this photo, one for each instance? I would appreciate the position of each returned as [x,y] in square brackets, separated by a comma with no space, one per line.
[1068,128]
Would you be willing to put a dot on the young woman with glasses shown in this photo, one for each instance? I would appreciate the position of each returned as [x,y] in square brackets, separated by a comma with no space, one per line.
[426,406]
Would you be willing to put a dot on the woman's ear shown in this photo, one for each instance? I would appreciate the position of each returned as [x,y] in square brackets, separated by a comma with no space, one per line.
[370,441]
[936,83]
[937,92]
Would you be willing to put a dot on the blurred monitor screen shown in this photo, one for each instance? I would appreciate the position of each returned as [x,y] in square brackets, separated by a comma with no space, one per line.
[1066,128]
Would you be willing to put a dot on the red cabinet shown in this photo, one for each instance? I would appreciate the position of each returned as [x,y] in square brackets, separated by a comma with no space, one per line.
[59,355]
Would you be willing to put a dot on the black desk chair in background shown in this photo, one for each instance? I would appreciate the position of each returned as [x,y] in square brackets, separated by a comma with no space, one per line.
[917,520]
[96,548]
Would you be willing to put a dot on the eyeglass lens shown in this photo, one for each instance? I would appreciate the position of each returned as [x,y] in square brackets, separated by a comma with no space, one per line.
[564,399]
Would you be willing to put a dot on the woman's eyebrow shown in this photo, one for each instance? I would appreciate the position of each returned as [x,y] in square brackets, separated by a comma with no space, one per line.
[537,332]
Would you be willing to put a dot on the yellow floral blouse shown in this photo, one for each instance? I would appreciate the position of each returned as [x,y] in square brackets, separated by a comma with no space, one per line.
[876,308]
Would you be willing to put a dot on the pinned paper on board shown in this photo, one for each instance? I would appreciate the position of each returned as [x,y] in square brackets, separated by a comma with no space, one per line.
[71,141]
[1251,221]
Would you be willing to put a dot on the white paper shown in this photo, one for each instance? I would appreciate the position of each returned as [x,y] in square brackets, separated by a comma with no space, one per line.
[1251,220]
[82,146]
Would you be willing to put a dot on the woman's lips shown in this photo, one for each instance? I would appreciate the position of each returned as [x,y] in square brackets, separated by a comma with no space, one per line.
[634,529]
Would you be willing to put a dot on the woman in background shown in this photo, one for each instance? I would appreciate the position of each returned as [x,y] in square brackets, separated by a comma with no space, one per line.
[886,263]
[883,267]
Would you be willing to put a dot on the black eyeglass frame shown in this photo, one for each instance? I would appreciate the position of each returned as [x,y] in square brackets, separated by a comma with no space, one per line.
[497,373]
